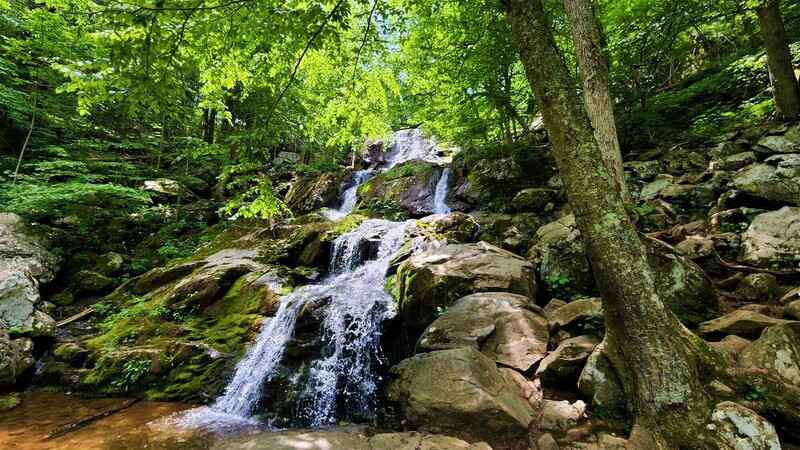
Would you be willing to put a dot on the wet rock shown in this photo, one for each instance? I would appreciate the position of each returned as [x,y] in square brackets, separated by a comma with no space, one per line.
[777,350]
[740,322]
[460,390]
[741,428]
[758,287]
[533,199]
[70,353]
[437,278]
[407,190]
[9,402]
[575,314]
[90,281]
[497,324]
[375,154]
[599,382]
[567,360]
[769,181]
[561,415]
[773,238]
[734,162]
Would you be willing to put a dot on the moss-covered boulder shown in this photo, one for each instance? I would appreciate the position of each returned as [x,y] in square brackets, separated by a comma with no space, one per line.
[311,193]
[16,357]
[430,282]
[513,232]
[406,190]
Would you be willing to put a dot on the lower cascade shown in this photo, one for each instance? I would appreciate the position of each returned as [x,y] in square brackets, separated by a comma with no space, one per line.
[342,380]
[440,196]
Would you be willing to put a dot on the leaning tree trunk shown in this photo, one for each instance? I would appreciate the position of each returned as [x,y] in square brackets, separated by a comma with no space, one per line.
[593,65]
[781,71]
[650,349]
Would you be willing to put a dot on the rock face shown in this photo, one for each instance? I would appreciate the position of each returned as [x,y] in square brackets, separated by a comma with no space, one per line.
[461,390]
[497,324]
[21,250]
[437,278]
[773,237]
[743,429]
[777,350]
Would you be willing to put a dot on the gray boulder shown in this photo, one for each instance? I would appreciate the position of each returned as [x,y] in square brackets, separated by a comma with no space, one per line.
[772,180]
[533,199]
[740,322]
[773,238]
[777,350]
[500,325]
[742,429]
[599,382]
[567,360]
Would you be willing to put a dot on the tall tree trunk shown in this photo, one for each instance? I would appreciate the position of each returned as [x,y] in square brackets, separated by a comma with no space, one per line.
[781,71]
[650,349]
[593,65]
[209,123]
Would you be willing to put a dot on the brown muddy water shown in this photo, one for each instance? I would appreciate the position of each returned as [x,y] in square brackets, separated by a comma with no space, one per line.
[144,425]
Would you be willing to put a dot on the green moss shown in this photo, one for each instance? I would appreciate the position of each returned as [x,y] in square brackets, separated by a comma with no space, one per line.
[8,402]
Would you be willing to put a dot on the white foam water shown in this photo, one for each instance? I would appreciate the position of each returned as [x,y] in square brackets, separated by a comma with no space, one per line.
[440,195]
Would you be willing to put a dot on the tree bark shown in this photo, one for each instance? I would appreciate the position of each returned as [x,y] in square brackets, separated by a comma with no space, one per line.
[651,350]
[785,88]
[593,65]
[209,124]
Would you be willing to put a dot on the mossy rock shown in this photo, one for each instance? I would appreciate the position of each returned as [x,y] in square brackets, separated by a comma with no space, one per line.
[9,402]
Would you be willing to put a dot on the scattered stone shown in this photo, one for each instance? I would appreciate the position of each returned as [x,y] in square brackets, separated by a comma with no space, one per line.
[533,199]
[561,415]
[652,189]
[644,170]
[758,287]
[567,360]
[773,239]
[599,382]
[732,345]
[575,313]
[776,144]
[734,162]
[792,310]
[437,278]
[695,247]
[778,350]
[740,322]
[547,442]
[498,324]
[460,390]
[743,429]
[610,442]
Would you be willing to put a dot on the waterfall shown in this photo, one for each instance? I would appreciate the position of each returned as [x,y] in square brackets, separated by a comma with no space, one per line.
[349,197]
[410,144]
[343,376]
[440,197]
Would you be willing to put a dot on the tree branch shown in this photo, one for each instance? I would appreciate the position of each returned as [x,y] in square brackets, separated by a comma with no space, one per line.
[364,41]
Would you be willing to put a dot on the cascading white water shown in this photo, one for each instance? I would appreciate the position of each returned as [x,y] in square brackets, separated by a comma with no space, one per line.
[358,304]
[349,197]
[440,195]
[410,144]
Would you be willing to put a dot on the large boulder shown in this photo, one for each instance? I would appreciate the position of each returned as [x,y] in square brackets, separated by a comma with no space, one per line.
[513,232]
[430,282]
[405,190]
[533,199]
[575,314]
[23,250]
[775,180]
[773,238]
[19,296]
[351,438]
[500,325]
[683,285]
[311,193]
[777,350]
[461,390]
[599,382]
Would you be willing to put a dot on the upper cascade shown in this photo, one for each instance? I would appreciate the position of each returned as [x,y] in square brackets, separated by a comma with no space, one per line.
[410,144]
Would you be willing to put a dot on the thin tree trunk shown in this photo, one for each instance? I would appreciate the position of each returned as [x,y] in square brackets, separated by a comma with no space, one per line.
[650,349]
[593,64]
[781,71]
[209,123]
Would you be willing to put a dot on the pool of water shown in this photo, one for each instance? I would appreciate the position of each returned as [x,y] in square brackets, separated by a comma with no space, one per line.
[145,424]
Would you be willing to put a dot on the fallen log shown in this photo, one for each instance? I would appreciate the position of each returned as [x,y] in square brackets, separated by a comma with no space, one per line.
[80,315]
[72,426]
